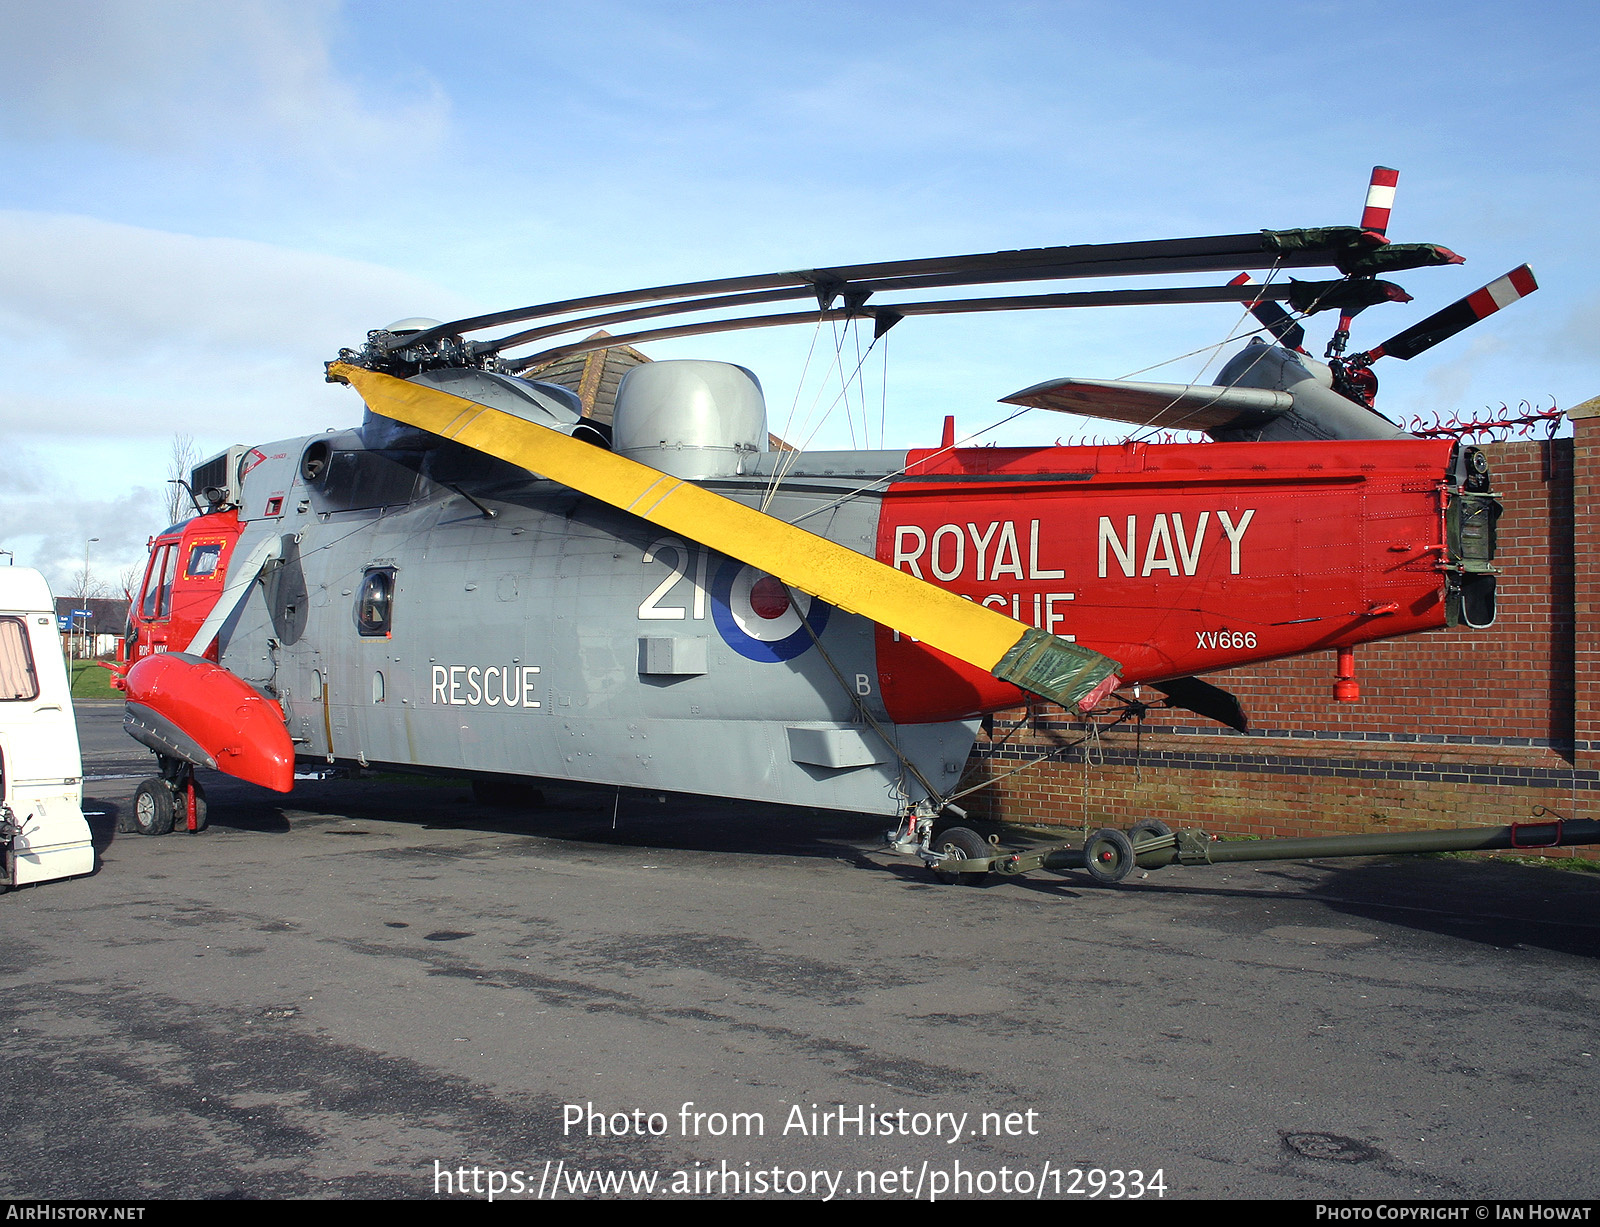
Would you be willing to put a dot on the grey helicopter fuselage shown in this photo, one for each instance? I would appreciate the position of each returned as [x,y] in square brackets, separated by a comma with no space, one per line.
[469,583]
[1318,411]
[434,607]
[399,599]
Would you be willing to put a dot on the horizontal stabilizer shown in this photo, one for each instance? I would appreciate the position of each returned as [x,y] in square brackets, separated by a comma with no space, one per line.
[1171,406]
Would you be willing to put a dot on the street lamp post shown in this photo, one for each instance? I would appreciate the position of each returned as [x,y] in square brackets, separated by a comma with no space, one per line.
[87,585]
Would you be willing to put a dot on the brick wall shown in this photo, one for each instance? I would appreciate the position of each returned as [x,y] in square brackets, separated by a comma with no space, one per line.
[1453,728]
[1586,582]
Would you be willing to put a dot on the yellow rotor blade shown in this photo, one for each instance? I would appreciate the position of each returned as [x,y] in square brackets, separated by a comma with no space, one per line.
[1040,663]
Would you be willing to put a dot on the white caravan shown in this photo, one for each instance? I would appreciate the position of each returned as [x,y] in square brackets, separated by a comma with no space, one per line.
[43,834]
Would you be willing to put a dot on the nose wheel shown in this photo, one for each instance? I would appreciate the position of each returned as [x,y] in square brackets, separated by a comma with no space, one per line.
[171,801]
[153,807]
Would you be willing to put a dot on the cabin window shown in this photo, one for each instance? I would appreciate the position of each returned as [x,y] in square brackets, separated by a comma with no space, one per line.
[375,603]
[203,560]
[18,681]
[158,583]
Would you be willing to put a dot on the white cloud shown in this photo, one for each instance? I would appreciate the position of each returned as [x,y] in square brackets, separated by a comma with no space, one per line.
[133,332]
[43,526]
[166,75]
[122,336]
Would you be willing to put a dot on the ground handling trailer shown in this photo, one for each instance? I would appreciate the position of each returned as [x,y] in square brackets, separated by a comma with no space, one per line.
[1109,855]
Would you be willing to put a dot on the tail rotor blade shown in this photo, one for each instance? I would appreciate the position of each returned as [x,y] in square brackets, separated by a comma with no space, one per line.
[1277,321]
[1463,313]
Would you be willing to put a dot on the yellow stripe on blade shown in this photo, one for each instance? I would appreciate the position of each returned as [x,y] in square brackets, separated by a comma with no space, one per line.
[1029,658]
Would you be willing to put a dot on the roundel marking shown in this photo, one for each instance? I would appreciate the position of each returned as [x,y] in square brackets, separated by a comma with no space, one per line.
[759,618]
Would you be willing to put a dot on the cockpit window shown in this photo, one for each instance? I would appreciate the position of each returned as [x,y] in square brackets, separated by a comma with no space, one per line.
[158,583]
[375,602]
[203,560]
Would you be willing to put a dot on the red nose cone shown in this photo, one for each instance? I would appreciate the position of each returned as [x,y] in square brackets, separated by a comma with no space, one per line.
[222,714]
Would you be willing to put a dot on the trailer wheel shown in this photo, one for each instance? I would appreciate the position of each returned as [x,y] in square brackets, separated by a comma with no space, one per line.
[1148,828]
[152,808]
[961,844]
[1108,856]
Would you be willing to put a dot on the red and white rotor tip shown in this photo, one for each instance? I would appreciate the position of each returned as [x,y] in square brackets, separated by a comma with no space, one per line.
[1380,200]
[1502,292]
[1463,313]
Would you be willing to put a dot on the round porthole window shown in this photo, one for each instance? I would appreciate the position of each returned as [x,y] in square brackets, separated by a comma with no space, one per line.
[375,602]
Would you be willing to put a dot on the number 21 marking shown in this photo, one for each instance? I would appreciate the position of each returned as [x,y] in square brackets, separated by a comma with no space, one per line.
[651,607]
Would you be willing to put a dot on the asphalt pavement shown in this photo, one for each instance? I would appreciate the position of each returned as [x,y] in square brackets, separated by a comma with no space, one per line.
[380,987]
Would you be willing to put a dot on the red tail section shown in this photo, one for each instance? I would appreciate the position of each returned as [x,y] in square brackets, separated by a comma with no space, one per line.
[1175,560]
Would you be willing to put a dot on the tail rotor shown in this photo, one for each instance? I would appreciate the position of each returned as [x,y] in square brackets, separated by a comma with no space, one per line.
[1352,376]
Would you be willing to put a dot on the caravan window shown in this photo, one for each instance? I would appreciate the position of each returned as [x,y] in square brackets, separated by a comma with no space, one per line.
[17,679]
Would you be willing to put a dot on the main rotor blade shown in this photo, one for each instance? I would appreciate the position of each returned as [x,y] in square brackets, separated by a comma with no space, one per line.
[1463,313]
[1216,253]
[1038,662]
[587,323]
[859,290]
[895,311]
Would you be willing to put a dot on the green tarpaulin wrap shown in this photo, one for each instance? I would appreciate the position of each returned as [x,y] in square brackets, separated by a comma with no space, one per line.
[1062,673]
[1319,238]
[1309,297]
[1396,258]
[1355,252]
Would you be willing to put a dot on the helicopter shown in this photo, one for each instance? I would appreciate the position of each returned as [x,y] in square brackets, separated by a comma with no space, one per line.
[493,578]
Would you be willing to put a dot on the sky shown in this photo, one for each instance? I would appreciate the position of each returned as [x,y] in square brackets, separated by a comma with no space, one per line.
[200,203]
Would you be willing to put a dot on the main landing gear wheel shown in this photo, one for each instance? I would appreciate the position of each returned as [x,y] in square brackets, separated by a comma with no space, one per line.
[1108,856]
[153,808]
[961,844]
